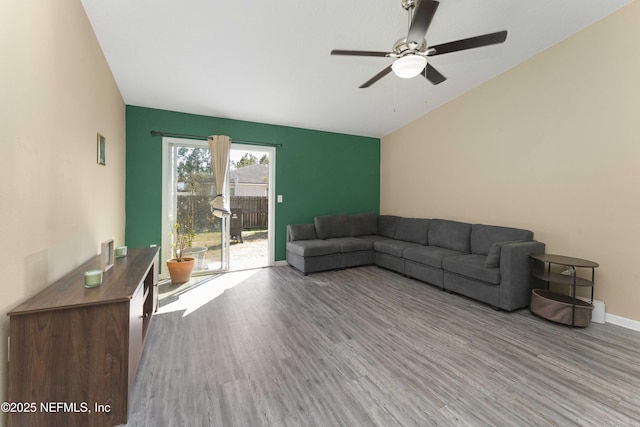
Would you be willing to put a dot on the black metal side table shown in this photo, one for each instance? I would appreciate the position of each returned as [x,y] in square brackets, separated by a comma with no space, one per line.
[564,279]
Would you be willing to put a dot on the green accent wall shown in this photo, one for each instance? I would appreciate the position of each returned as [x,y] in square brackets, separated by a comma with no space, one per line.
[317,173]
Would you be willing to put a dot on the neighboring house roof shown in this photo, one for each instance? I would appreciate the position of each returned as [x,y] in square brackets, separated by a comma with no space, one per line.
[253,174]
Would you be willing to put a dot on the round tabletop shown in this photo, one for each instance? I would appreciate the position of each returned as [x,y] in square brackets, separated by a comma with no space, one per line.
[564,260]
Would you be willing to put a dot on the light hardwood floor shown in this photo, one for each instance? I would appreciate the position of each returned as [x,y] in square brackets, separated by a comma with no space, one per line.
[368,347]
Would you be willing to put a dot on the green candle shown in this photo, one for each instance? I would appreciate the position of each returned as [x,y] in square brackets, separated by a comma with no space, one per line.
[121,251]
[92,278]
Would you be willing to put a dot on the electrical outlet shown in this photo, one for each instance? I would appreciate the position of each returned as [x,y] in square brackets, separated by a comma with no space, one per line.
[279,198]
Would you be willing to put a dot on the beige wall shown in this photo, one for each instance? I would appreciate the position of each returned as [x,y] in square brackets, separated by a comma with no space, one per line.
[552,145]
[56,203]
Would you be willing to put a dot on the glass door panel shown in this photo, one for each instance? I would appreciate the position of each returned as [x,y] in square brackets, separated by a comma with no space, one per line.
[190,188]
[251,189]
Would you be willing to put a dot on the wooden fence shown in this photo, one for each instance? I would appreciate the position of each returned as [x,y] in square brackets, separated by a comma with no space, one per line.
[255,210]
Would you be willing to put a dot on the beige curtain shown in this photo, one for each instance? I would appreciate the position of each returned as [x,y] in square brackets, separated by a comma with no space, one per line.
[220,146]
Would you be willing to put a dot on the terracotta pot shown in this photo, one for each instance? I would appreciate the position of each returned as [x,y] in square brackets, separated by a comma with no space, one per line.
[180,272]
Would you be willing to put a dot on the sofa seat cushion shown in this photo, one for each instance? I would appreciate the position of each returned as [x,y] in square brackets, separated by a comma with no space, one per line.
[472,266]
[373,238]
[352,244]
[429,255]
[314,247]
[393,247]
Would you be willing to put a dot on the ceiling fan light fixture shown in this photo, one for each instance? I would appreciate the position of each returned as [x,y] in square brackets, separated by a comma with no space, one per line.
[409,66]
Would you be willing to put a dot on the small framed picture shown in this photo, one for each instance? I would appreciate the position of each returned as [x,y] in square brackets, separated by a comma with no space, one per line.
[102,142]
[107,256]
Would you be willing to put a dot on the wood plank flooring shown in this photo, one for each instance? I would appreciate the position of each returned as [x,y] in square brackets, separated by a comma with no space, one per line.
[368,347]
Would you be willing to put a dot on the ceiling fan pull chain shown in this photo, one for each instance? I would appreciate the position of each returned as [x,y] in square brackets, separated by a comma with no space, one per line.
[395,98]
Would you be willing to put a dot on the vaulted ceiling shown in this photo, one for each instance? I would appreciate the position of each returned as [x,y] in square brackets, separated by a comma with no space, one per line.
[270,62]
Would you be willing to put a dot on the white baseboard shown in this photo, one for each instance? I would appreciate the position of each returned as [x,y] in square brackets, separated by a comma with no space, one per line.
[623,321]
[280,263]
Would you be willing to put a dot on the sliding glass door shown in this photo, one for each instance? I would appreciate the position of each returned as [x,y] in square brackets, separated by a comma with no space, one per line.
[188,189]
[245,240]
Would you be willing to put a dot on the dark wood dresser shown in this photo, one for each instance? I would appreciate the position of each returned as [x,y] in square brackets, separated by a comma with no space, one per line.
[73,351]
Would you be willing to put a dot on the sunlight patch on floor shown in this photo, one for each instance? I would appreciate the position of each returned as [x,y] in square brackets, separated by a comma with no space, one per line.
[199,296]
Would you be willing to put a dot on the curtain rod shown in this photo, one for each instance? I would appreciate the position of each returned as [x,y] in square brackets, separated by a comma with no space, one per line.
[204,138]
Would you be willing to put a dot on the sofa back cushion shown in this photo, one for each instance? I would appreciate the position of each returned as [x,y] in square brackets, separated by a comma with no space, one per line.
[483,237]
[450,234]
[387,225]
[363,224]
[412,230]
[330,226]
[301,232]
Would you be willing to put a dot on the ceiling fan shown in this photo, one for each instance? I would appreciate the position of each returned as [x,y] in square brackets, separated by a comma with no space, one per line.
[412,51]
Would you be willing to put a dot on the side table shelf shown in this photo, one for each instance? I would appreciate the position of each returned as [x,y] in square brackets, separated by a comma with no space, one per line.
[572,280]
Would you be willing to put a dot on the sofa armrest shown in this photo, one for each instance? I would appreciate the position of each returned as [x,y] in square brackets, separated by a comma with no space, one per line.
[301,232]
[515,273]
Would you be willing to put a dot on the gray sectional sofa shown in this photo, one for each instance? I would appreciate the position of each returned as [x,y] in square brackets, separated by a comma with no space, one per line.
[485,262]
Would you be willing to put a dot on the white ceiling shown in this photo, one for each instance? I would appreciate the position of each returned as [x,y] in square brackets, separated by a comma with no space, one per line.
[269,61]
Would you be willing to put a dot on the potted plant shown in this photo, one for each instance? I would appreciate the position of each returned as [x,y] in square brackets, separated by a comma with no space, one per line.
[181,266]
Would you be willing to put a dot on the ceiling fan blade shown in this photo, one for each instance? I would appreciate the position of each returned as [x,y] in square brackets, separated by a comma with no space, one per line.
[375,78]
[422,17]
[359,53]
[470,43]
[433,75]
